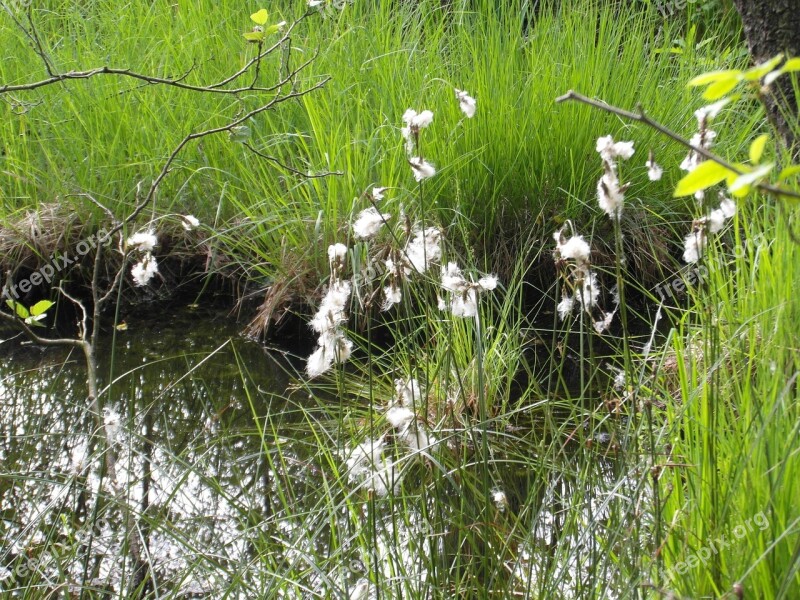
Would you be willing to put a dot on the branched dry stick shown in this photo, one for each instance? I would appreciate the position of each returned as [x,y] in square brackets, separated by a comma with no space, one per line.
[214,88]
[641,117]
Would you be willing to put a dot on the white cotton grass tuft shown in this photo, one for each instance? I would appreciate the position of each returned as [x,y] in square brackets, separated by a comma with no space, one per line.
[710,111]
[333,346]
[408,391]
[610,150]
[369,222]
[610,196]
[703,140]
[716,220]
[189,222]
[694,245]
[416,121]
[331,313]
[423,250]
[143,271]
[463,293]
[466,103]
[378,193]
[603,323]
[465,304]
[574,248]
[499,499]
[565,307]
[337,253]
[399,417]
[488,283]
[367,462]
[416,438]
[421,168]
[654,170]
[728,207]
[143,241]
[588,292]
[392,294]
[452,279]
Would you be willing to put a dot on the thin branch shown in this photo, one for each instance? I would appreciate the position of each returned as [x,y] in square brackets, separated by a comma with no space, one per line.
[214,88]
[37,339]
[287,167]
[85,318]
[97,203]
[201,134]
[641,117]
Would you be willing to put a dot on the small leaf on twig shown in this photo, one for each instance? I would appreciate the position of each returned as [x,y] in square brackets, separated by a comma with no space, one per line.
[706,174]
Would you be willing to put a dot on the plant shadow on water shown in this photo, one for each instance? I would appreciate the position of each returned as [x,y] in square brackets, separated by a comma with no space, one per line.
[240,483]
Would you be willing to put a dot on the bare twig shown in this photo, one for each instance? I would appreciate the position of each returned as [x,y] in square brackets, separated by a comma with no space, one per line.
[641,117]
[214,88]
[287,167]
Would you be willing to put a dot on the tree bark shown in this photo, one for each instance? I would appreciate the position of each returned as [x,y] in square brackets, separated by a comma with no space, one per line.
[773,27]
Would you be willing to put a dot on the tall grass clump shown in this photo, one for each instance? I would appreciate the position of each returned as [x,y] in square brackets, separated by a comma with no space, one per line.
[716,409]
[517,165]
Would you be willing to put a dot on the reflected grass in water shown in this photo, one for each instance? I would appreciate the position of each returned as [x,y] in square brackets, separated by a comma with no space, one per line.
[247,490]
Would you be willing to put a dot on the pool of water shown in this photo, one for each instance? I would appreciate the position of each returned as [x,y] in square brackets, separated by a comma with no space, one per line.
[237,477]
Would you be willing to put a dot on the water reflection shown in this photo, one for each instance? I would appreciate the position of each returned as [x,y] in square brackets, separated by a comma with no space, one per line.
[238,482]
[175,396]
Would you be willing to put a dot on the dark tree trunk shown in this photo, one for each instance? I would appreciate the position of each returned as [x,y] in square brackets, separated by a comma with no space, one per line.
[773,27]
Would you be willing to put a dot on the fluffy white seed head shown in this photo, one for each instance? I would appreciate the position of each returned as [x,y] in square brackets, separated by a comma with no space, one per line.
[143,271]
[144,241]
[189,222]
[421,168]
[610,150]
[408,392]
[369,223]
[654,170]
[565,307]
[337,253]
[487,283]
[610,196]
[423,250]
[588,292]
[378,193]
[392,294]
[465,304]
[399,417]
[452,279]
[575,248]
[466,103]
[694,245]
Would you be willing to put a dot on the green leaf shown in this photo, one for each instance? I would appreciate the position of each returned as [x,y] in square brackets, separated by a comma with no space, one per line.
[260,17]
[791,65]
[255,37]
[274,28]
[706,174]
[757,148]
[41,307]
[721,87]
[713,76]
[749,179]
[789,171]
[759,71]
[21,311]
